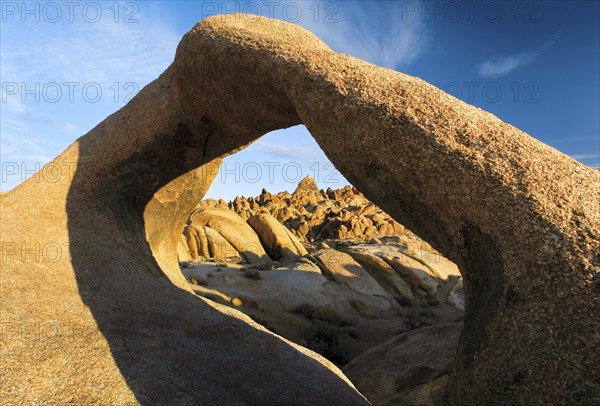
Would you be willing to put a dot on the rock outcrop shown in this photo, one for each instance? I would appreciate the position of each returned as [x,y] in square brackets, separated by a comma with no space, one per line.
[196,242]
[341,268]
[101,279]
[410,369]
[297,301]
[233,229]
[318,215]
[220,248]
[385,275]
[349,303]
[283,221]
[413,264]
[277,240]
[307,186]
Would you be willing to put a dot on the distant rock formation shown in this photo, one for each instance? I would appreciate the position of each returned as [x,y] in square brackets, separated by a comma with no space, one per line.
[206,242]
[283,221]
[307,186]
[95,308]
[314,215]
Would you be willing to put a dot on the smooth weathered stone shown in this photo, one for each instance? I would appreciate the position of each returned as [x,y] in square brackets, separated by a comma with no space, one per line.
[406,369]
[233,229]
[277,240]
[220,248]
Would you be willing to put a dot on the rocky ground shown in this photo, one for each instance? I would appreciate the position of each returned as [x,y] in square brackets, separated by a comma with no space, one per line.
[330,271]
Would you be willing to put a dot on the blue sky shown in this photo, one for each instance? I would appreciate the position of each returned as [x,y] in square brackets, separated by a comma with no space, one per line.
[66,66]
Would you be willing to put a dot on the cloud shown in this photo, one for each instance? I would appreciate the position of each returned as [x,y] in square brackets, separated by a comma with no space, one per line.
[573,139]
[16,147]
[282,151]
[38,159]
[378,32]
[105,53]
[585,156]
[503,65]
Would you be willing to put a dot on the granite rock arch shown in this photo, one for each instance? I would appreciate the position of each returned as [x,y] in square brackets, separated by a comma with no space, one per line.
[517,216]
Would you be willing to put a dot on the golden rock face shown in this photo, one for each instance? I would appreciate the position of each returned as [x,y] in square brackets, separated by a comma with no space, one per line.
[94,306]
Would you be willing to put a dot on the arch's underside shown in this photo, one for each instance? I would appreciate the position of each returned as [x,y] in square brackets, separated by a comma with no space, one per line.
[89,316]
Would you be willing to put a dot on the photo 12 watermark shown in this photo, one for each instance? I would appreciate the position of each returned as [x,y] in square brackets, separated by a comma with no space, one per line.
[70,92]
[53,12]
[470,11]
[276,172]
[326,12]
[490,91]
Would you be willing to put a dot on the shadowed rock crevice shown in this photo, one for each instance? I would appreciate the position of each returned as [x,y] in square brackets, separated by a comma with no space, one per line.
[482,289]
[486,195]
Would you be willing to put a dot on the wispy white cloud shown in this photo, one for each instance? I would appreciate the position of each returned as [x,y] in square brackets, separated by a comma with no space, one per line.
[290,152]
[585,156]
[40,160]
[15,146]
[378,32]
[105,53]
[503,65]
[590,159]
[574,139]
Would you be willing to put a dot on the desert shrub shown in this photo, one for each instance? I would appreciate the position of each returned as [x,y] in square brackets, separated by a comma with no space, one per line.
[263,322]
[305,309]
[329,315]
[324,339]
[404,301]
[426,312]
[432,301]
[198,280]
[265,266]
[251,273]
[418,319]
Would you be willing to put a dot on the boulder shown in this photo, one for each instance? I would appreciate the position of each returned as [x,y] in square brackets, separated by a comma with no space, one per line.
[308,213]
[277,240]
[183,250]
[233,229]
[419,274]
[196,242]
[409,369]
[343,269]
[220,248]
[384,274]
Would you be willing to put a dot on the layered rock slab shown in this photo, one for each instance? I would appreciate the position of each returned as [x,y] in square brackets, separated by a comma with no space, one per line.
[234,230]
[278,241]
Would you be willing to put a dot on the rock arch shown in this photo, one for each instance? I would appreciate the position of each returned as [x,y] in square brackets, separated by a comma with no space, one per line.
[100,322]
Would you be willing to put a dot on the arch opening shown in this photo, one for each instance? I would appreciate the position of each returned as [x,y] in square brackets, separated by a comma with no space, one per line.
[333,272]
